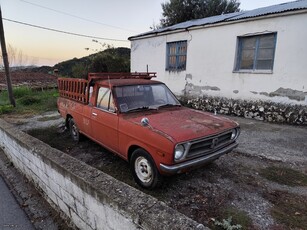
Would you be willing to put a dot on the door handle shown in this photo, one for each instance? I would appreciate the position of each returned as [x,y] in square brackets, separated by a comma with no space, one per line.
[95,114]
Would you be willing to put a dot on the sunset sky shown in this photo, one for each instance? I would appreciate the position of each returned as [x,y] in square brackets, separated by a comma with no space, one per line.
[115,20]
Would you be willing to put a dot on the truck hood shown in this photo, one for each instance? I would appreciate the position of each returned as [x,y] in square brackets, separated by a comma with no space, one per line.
[183,124]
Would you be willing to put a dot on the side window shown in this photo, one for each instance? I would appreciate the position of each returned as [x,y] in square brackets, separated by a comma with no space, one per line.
[176,55]
[105,99]
[256,52]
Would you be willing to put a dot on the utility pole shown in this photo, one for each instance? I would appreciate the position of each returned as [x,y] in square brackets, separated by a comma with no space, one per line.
[6,63]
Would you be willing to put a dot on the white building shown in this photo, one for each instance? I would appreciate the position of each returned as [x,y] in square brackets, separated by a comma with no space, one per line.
[251,55]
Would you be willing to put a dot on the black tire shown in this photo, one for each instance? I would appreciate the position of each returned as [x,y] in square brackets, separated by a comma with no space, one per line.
[74,131]
[144,170]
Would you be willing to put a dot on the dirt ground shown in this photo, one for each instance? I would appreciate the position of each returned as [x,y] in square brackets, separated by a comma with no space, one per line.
[257,191]
[30,79]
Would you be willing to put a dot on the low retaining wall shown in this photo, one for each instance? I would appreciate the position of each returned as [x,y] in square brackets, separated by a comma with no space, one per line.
[84,195]
[259,110]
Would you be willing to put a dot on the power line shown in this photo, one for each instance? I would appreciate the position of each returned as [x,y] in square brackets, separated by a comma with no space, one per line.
[75,16]
[65,32]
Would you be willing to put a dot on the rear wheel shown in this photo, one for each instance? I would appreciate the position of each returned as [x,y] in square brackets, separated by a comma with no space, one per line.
[73,130]
[144,170]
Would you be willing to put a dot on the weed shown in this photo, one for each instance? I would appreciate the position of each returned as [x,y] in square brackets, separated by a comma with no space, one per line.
[283,175]
[238,217]
[227,225]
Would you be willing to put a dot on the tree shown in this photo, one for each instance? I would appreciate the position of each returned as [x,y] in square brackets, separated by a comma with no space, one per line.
[177,11]
[110,61]
[17,58]
[79,70]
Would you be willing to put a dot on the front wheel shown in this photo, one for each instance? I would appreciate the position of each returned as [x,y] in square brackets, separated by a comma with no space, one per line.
[74,131]
[144,170]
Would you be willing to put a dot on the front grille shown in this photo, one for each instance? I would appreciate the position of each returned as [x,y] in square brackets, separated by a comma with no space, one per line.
[209,145]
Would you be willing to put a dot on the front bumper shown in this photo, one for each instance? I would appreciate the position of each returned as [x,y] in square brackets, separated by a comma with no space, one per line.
[180,167]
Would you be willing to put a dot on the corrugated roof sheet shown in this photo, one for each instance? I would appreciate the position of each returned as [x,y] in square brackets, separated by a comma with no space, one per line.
[275,9]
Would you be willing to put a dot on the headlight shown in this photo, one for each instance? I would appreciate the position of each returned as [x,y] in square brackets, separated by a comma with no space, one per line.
[179,151]
[234,134]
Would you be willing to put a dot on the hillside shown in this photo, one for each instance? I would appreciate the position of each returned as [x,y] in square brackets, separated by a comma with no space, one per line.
[109,60]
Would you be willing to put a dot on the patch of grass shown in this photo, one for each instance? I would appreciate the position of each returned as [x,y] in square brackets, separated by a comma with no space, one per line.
[238,217]
[4,98]
[22,91]
[289,209]
[283,175]
[6,109]
[29,101]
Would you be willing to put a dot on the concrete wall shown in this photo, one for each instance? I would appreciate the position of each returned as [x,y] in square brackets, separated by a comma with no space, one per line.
[84,195]
[211,57]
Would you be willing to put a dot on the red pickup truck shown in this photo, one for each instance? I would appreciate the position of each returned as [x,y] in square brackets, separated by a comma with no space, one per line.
[141,120]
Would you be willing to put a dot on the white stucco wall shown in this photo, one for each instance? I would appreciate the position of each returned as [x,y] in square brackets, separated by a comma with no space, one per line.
[211,58]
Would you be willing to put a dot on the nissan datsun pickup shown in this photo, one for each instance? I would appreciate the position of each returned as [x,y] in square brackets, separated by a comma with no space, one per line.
[141,120]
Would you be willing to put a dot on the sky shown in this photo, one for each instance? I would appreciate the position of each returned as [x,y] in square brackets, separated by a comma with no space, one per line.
[109,22]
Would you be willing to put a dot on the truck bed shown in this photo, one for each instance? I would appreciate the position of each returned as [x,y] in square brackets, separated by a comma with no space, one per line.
[74,89]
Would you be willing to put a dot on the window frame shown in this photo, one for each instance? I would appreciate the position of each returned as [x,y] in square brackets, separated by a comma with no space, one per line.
[254,68]
[110,98]
[177,55]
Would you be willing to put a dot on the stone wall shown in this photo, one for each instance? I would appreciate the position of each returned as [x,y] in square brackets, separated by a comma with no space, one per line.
[87,197]
[259,110]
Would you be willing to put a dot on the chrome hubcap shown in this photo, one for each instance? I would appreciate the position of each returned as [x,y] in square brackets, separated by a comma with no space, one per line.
[143,169]
[74,130]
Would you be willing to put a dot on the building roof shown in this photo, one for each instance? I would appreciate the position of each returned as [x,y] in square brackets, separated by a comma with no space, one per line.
[269,10]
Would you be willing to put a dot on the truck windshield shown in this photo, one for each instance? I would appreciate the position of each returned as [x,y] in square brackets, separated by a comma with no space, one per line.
[142,97]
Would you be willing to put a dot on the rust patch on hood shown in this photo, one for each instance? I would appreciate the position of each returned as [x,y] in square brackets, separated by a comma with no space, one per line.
[184,124]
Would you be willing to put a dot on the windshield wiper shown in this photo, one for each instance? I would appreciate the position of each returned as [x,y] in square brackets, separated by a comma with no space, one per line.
[141,108]
[168,105]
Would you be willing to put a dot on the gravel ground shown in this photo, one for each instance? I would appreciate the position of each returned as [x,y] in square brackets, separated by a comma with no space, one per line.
[276,142]
[233,186]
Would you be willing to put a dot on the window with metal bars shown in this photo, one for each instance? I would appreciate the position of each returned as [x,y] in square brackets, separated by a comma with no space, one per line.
[256,53]
[176,55]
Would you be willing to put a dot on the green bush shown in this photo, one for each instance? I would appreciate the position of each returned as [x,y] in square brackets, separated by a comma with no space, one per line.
[29,100]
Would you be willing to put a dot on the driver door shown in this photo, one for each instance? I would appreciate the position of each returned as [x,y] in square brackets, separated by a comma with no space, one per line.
[105,120]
